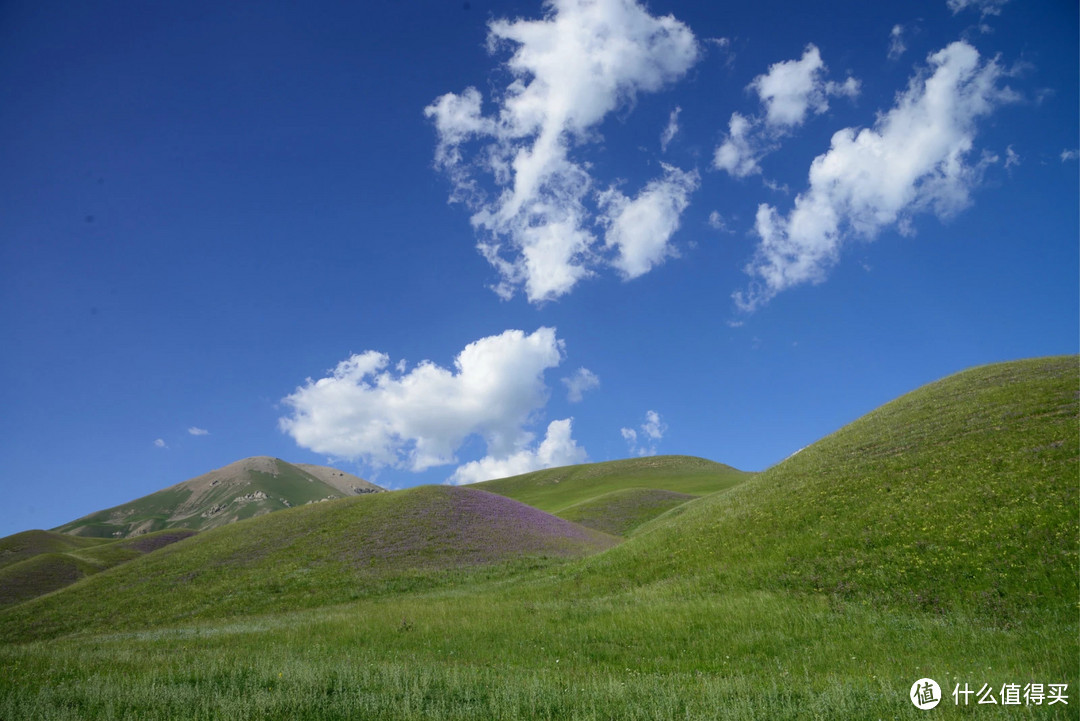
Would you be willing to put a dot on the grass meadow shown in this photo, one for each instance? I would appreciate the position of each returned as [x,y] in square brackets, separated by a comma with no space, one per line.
[532,649]
[935,537]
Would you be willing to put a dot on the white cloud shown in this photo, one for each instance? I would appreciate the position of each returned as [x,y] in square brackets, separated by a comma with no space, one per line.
[640,230]
[651,432]
[653,427]
[576,385]
[742,148]
[985,7]
[671,130]
[557,449]
[160,443]
[794,88]
[718,222]
[1011,157]
[569,70]
[419,419]
[896,42]
[1069,154]
[723,45]
[913,159]
[196,431]
[788,92]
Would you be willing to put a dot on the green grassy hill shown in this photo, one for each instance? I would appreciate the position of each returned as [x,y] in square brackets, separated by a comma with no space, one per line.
[51,567]
[621,512]
[312,556]
[244,489]
[618,496]
[935,537]
[962,495]
[21,546]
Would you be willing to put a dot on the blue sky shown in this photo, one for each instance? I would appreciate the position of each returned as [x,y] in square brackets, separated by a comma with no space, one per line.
[454,240]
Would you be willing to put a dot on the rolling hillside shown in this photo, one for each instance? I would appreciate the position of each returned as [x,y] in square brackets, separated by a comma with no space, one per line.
[621,512]
[934,537]
[618,496]
[312,556]
[244,489]
[960,495]
[21,546]
[57,561]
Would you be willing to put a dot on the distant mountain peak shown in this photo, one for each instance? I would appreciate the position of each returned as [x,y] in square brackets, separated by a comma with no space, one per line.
[242,489]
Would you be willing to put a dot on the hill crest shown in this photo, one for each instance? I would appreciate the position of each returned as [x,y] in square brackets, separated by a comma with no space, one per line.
[245,488]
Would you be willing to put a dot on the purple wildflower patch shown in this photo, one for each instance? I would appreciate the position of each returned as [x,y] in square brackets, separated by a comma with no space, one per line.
[448,526]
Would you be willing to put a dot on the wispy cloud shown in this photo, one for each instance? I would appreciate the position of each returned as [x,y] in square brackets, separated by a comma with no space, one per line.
[417,420]
[985,7]
[896,42]
[160,443]
[196,431]
[1012,158]
[723,45]
[643,441]
[718,222]
[915,158]
[569,70]
[670,130]
[1069,154]
[581,381]
[789,92]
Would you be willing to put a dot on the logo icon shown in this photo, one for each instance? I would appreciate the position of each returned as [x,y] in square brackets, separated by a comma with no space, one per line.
[925,693]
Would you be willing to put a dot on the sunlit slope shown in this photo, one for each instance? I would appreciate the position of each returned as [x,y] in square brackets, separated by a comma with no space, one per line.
[50,570]
[960,495]
[555,489]
[621,512]
[311,556]
[244,489]
[21,546]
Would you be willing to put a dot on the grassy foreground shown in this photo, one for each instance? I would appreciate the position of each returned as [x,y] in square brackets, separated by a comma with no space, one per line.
[958,504]
[534,652]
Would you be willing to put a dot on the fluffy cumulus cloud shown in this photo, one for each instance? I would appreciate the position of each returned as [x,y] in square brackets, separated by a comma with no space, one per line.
[794,88]
[557,449]
[569,70]
[643,440]
[160,443]
[640,229]
[418,419]
[742,148]
[789,92]
[915,158]
[581,381]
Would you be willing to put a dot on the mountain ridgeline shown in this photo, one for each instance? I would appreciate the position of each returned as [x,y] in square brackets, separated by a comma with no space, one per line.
[244,489]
